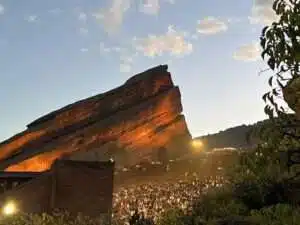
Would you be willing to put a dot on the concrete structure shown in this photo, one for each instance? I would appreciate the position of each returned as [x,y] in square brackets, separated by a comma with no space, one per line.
[74,186]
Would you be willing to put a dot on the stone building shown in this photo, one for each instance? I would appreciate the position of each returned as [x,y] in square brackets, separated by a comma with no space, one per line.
[74,186]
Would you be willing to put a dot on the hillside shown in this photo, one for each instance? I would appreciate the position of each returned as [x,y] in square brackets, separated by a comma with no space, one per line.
[242,136]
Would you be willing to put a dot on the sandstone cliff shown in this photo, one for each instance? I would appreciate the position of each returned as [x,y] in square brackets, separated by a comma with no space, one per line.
[128,123]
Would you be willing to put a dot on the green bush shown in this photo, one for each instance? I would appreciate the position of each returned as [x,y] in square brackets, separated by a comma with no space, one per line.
[138,219]
[219,204]
[46,219]
[232,221]
[172,217]
[280,214]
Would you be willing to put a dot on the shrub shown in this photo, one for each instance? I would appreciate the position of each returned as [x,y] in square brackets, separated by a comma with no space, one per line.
[47,219]
[172,217]
[280,214]
[219,204]
[138,219]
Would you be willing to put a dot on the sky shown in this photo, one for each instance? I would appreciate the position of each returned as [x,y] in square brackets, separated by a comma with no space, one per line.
[53,53]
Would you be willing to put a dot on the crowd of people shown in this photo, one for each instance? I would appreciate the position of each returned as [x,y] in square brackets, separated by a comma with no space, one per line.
[151,199]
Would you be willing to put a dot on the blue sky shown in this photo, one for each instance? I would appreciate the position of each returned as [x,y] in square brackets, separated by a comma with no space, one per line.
[56,52]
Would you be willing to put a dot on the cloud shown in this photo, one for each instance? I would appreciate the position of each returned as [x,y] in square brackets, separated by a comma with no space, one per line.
[125,67]
[55,11]
[171,1]
[116,49]
[234,20]
[2,9]
[152,7]
[31,18]
[126,62]
[104,49]
[172,42]
[84,49]
[262,12]
[211,25]
[112,17]
[83,31]
[82,17]
[248,53]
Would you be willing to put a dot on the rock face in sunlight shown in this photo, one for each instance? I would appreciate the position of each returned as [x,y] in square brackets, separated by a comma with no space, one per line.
[129,124]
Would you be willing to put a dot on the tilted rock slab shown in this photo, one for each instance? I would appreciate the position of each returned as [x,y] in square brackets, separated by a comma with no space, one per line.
[129,123]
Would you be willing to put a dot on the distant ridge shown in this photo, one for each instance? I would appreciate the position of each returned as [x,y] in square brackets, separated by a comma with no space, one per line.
[242,136]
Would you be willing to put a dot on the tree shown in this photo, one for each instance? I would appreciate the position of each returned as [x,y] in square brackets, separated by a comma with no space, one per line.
[281,46]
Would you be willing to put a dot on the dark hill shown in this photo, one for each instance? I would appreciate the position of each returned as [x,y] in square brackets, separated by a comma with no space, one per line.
[243,136]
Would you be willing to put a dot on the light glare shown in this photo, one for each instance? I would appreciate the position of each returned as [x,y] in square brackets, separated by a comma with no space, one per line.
[197,143]
[9,208]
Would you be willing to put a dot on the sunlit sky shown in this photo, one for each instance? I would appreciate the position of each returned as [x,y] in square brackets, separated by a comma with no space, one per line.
[53,53]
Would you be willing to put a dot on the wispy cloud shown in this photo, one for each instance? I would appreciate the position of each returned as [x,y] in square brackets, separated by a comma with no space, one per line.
[2,9]
[31,18]
[125,67]
[211,25]
[55,11]
[84,49]
[82,17]
[83,31]
[172,42]
[150,6]
[262,12]
[126,61]
[249,52]
[104,49]
[234,20]
[170,1]
[112,17]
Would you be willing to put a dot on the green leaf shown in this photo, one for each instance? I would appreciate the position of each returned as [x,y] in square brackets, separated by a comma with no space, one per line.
[280,84]
[264,97]
[271,63]
[264,30]
[274,92]
[263,42]
[270,81]
[271,99]
[264,53]
[268,111]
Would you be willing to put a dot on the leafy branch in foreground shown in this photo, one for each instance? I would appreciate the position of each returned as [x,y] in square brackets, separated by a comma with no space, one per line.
[281,48]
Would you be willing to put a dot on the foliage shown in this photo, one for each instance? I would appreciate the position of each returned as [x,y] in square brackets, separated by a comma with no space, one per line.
[172,217]
[57,218]
[280,214]
[261,178]
[218,203]
[262,188]
[281,44]
[138,219]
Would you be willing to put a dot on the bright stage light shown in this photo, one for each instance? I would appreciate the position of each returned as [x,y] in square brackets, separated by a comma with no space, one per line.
[197,144]
[9,208]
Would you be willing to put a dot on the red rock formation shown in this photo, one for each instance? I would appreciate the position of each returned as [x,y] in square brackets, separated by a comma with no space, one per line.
[138,117]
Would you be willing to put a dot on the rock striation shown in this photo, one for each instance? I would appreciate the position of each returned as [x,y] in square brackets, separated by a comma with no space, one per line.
[128,123]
